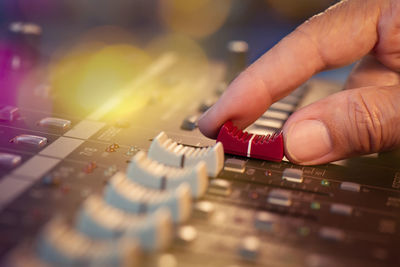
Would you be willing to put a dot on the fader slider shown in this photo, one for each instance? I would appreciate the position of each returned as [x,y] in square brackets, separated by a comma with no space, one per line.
[237,142]
[169,152]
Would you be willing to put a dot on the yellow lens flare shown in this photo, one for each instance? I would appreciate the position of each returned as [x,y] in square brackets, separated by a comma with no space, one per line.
[189,54]
[136,94]
[191,65]
[87,78]
[116,81]
[195,18]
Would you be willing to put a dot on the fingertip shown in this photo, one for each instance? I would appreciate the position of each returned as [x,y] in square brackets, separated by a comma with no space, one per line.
[207,127]
[307,141]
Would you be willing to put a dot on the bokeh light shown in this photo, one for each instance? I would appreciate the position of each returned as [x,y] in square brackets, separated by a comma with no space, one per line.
[195,18]
[90,74]
[187,49]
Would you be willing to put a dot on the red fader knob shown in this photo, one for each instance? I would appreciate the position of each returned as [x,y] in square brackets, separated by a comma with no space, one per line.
[237,142]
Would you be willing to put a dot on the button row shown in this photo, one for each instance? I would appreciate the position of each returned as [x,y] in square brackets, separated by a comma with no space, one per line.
[11,113]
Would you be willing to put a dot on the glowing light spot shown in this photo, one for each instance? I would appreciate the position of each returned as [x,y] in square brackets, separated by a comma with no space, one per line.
[196,18]
[89,76]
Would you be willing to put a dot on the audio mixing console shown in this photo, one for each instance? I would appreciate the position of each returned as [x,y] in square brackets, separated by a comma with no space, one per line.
[149,190]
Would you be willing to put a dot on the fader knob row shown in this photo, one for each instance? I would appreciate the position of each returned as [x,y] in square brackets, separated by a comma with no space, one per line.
[134,198]
[152,174]
[166,151]
[61,245]
[98,220]
[138,210]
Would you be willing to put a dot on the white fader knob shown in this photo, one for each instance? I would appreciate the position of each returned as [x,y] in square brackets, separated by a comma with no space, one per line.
[152,174]
[61,245]
[98,220]
[166,151]
[131,197]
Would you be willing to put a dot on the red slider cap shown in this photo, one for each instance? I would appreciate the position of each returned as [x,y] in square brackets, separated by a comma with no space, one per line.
[237,142]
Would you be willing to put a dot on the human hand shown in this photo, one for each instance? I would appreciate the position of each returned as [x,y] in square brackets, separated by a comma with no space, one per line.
[361,120]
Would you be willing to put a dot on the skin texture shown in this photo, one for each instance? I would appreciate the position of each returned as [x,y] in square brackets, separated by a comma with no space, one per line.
[363,119]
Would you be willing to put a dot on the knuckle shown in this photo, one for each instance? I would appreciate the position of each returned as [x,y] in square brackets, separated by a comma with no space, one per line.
[366,128]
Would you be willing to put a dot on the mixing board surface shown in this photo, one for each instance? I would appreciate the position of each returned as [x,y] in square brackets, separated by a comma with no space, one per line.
[136,186]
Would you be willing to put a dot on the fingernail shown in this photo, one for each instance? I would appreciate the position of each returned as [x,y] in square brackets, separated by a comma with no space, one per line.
[308,140]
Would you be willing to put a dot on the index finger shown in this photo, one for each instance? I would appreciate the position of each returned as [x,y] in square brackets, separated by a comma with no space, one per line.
[342,34]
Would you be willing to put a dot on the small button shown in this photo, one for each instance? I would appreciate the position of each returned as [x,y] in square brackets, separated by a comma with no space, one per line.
[235,165]
[187,234]
[8,113]
[204,209]
[190,123]
[220,187]
[349,186]
[30,140]
[57,123]
[264,221]
[341,209]
[293,175]
[249,248]
[330,233]
[8,160]
[237,58]
[279,197]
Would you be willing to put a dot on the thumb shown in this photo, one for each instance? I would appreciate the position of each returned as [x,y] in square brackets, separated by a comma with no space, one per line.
[348,123]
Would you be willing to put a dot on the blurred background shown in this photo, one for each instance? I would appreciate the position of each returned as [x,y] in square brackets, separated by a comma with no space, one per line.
[211,23]
[86,47]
